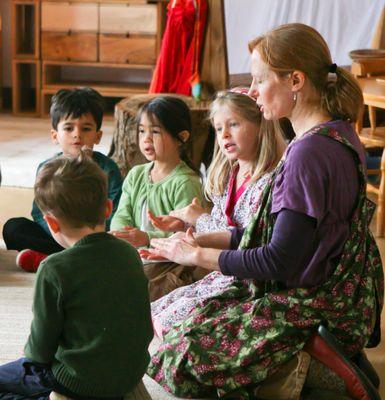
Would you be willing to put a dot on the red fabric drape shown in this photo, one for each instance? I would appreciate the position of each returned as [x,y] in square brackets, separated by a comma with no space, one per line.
[177,66]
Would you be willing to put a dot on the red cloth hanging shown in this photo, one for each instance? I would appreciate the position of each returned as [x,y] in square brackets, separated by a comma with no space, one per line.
[178,62]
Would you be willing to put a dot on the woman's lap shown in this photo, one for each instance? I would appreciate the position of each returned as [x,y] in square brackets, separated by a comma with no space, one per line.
[177,305]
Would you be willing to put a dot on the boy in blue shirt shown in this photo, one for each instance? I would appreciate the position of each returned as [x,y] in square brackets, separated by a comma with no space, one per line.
[76,116]
[91,322]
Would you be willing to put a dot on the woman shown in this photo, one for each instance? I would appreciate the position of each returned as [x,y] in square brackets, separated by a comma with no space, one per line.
[306,258]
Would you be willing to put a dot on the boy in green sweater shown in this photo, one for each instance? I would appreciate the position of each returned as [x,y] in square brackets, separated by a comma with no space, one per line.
[92,323]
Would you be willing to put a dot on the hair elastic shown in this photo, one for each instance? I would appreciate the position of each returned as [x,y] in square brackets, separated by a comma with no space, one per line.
[333,68]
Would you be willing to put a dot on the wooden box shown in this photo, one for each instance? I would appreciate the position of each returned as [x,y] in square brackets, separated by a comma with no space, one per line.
[25,29]
[63,17]
[132,18]
[129,49]
[69,46]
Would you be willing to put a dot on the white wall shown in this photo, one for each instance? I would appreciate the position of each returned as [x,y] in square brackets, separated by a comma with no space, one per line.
[345,24]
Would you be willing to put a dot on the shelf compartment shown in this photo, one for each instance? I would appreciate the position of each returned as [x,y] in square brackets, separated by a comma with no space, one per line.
[132,18]
[111,79]
[69,46]
[63,17]
[25,29]
[55,73]
[127,49]
[26,87]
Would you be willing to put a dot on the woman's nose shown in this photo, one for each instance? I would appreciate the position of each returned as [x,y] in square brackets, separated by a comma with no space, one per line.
[253,92]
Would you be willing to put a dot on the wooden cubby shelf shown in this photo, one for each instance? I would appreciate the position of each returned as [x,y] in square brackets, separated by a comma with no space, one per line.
[110,45]
[25,29]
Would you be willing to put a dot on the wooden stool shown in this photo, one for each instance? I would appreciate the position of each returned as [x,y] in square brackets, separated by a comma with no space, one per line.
[124,149]
[370,140]
[368,71]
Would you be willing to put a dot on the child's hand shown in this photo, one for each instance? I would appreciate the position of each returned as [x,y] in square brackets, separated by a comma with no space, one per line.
[132,235]
[166,222]
[190,213]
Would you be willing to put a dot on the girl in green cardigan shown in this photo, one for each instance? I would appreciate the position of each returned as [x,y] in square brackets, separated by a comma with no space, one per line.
[168,182]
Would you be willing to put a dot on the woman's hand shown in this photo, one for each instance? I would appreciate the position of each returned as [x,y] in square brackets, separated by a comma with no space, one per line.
[132,235]
[147,254]
[181,250]
[166,223]
[190,213]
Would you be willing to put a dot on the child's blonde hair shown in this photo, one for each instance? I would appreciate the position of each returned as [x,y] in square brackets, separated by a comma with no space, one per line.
[299,47]
[269,149]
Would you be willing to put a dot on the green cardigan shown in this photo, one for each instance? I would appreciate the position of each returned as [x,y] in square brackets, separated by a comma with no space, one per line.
[91,317]
[171,193]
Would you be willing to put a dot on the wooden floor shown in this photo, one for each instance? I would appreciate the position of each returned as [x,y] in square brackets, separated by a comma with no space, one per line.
[17,202]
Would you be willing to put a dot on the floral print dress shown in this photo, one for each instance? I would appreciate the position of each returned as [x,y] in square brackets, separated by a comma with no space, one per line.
[241,336]
[177,305]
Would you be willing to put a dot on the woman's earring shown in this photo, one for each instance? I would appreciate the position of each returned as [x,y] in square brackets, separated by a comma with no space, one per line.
[295,96]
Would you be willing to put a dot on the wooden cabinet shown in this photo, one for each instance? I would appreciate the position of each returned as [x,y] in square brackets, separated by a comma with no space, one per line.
[110,45]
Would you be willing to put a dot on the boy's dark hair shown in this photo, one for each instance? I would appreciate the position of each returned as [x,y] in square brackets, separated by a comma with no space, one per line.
[73,190]
[174,116]
[75,103]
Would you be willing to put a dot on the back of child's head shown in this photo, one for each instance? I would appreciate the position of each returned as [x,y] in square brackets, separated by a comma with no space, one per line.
[269,145]
[174,117]
[74,190]
[75,103]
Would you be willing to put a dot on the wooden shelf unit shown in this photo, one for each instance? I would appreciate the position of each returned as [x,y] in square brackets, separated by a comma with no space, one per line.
[121,37]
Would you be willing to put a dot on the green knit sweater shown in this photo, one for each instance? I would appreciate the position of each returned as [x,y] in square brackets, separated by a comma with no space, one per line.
[91,317]
[171,193]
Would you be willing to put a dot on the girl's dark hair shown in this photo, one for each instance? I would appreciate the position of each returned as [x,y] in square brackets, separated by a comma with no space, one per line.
[173,115]
[75,103]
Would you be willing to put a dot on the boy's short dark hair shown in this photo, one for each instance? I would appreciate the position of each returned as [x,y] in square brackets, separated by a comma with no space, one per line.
[75,103]
[73,190]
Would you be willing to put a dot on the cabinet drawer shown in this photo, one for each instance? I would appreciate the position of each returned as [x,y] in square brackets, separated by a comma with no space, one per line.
[133,18]
[69,46]
[133,49]
[64,17]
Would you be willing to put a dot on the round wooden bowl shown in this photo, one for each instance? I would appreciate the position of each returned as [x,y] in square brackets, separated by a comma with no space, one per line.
[366,54]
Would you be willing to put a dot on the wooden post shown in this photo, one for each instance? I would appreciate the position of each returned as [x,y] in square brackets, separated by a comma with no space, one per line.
[214,66]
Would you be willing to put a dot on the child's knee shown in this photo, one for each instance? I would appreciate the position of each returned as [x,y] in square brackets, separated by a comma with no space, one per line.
[12,226]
